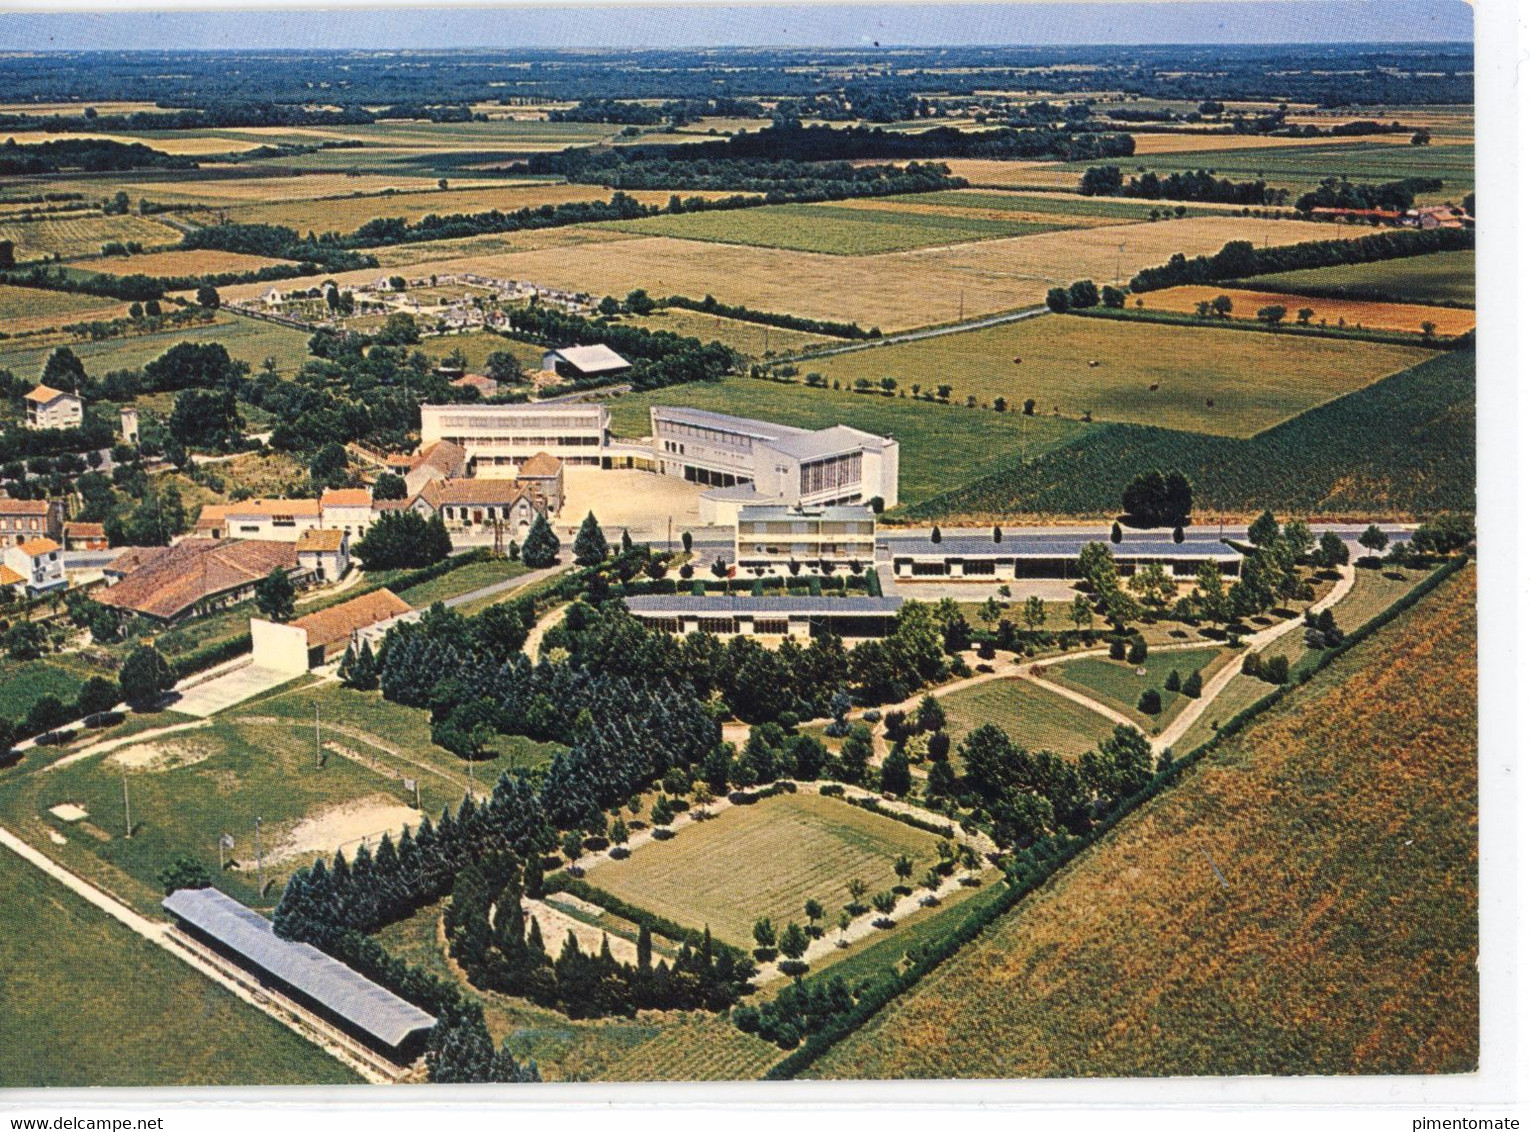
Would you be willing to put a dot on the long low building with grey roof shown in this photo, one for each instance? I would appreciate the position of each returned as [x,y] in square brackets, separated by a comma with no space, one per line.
[1046,555]
[770,616]
[351,1002]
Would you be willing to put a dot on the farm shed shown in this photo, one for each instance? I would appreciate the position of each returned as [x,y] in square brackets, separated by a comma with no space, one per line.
[347,1000]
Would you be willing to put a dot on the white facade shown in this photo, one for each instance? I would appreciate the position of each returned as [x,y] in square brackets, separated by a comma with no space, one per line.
[52,408]
[772,538]
[40,562]
[499,438]
[757,462]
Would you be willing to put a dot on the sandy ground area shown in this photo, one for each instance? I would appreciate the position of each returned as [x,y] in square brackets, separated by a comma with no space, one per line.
[640,502]
[68,811]
[556,924]
[346,827]
[161,756]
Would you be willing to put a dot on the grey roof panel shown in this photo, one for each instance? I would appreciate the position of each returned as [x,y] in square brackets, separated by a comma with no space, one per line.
[322,978]
[780,606]
[1054,546]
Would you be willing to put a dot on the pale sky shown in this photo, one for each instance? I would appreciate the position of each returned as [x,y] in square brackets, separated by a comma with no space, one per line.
[713,25]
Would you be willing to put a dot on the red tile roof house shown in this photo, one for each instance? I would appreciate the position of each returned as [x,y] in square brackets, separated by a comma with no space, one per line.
[195,577]
[84,536]
[23,519]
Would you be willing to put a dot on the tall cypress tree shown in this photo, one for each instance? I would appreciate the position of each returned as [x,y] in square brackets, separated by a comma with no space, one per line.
[542,545]
[590,548]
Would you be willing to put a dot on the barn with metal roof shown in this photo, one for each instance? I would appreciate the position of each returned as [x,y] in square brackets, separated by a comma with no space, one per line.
[346,999]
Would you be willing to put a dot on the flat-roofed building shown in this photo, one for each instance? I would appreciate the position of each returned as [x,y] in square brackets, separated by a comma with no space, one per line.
[53,408]
[770,538]
[745,461]
[1047,555]
[498,439]
[585,361]
[342,997]
[771,616]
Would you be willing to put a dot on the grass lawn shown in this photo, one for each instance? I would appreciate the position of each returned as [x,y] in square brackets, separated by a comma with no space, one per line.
[941,445]
[478,345]
[88,1003]
[246,339]
[1441,277]
[1343,942]
[1033,717]
[1057,204]
[764,860]
[829,229]
[1116,683]
[1218,381]
[464,579]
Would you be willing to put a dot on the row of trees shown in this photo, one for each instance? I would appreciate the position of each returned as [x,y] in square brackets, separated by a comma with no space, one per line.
[1192,185]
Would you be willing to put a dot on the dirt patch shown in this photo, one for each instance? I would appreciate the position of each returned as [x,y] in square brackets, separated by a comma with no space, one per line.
[68,811]
[555,926]
[169,755]
[346,827]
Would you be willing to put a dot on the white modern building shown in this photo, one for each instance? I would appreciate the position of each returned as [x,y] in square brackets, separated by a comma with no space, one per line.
[757,462]
[772,538]
[499,438]
[38,563]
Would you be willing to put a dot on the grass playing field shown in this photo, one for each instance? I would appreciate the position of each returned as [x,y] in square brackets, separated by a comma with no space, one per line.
[246,339]
[764,860]
[829,229]
[1145,374]
[30,308]
[1033,717]
[1116,684]
[1345,826]
[941,445]
[81,234]
[1355,313]
[1441,277]
[88,1003]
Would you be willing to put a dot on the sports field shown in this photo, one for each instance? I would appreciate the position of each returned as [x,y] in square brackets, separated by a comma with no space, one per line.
[202,261]
[1344,824]
[764,860]
[941,445]
[1225,382]
[1033,717]
[81,234]
[1444,277]
[93,1004]
[830,229]
[30,308]
[246,339]
[1354,313]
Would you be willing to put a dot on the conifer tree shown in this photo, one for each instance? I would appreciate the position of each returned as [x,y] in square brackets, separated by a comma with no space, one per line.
[590,548]
[542,545]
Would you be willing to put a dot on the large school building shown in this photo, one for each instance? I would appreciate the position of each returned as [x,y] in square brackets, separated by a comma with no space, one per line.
[499,438]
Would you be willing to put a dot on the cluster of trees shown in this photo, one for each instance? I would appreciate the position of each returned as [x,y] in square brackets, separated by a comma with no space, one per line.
[89,155]
[1194,184]
[214,115]
[1341,192]
[487,933]
[799,1010]
[274,241]
[1239,259]
[1153,499]
[403,540]
[678,112]
[133,288]
[1081,295]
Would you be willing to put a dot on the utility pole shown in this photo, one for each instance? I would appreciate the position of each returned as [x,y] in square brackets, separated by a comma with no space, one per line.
[318,751]
[260,883]
[127,811]
[961,304]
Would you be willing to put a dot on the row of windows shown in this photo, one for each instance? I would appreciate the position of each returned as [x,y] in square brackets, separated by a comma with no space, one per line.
[833,474]
[512,424]
[715,436]
[518,441]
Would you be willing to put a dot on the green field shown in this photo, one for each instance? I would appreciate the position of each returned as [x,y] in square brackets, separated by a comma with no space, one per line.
[750,338]
[1344,827]
[1333,460]
[1031,716]
[764,860]
[1217,381]
[834,230]
[942,445]
[1300,168]
[1116,683]
[85,1002]
[1444,277]
[246,339]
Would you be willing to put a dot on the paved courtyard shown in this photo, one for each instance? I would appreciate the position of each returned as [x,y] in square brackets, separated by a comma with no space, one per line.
[640,502]
[224,691]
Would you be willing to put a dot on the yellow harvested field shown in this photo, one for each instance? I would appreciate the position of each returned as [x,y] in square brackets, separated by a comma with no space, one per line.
[81,234]
[1448,321]
[28,308]
[479,247]
[894,291]
[180,142]
[1224,143]
[967,212]
[199,262]
[985,172]
[260,190]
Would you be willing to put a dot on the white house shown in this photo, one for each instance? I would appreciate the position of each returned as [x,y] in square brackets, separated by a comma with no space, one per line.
[326,553]
[40,564]
[270,520]
[53,408]
[347,509]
